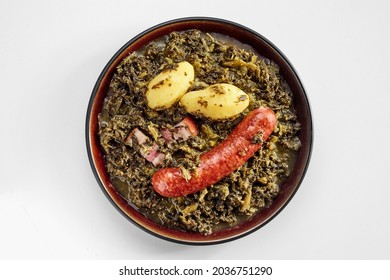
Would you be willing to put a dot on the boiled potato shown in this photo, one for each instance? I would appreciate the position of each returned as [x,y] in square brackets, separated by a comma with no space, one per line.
[219,101]
[169,86]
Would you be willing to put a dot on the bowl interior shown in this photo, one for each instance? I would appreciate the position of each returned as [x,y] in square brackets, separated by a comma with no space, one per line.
[264,48]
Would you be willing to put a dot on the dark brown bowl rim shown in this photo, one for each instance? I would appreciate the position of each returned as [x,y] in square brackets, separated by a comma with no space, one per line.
[94,93]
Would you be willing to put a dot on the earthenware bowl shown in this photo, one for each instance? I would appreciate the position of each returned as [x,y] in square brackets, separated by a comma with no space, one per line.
[264,47]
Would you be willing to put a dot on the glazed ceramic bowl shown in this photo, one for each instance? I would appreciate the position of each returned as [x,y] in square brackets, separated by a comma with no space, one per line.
[263,47]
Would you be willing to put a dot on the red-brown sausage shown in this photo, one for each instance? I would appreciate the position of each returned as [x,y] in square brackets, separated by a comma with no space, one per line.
[221,160]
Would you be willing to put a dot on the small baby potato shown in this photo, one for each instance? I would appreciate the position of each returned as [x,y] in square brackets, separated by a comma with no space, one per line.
[218,102]
[169,86]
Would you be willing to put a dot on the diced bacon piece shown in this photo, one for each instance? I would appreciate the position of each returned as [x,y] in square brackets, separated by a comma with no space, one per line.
[139,136]
[149,154]
[153,155]
[191,126]
[158,159]
[167,135]
[185,129]
[182,132]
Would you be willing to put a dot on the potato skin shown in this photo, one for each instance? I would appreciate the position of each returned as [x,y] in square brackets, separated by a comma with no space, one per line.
[169,86]
[218,102]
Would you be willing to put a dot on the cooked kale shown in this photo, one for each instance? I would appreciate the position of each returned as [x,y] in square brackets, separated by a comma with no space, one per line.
[238,196]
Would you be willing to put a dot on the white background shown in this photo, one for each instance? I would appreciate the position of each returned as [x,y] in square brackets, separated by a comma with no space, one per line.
[52,52]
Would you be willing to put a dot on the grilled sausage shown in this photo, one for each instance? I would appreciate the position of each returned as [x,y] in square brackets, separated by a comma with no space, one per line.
[221,160]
